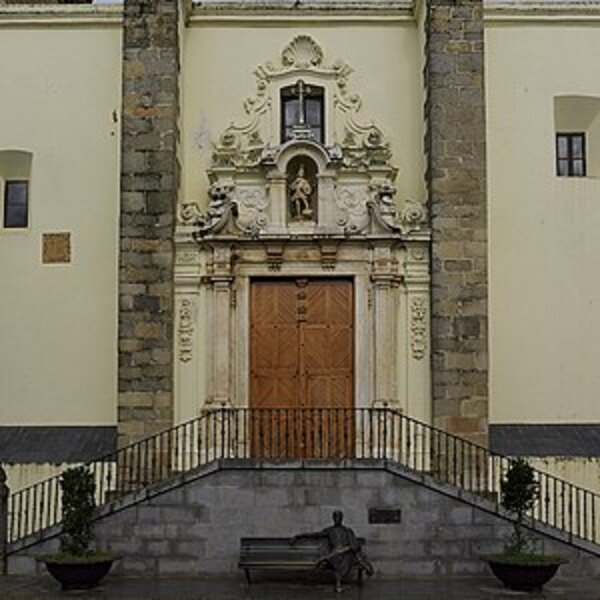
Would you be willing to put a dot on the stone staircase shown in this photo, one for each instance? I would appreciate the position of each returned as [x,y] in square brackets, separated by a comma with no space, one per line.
[183,498]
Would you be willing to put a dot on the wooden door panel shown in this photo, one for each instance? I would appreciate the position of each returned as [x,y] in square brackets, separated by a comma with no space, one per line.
[301,357]
[274,348]
[273,302]
[333,429]
[327,349]
[274,344]
[270,392]
[329,303]
[329,391]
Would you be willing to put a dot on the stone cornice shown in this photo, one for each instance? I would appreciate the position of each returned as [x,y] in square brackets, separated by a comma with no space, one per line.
[207,11]
[305,5]
[216,11]
[307,10]
[544,12]
[60,14]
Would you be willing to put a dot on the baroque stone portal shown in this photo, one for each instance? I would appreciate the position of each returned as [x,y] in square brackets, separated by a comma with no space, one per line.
[303,208]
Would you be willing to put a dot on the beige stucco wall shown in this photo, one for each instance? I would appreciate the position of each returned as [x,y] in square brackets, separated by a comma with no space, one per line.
[578,470]
[219,58]
[58,323]
[20,476]
[544,242]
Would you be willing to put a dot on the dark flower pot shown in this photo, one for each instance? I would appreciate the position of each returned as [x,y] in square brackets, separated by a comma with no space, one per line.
[78,575]
[524,577]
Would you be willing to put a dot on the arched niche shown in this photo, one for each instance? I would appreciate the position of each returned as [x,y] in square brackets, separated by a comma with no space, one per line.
[320,172]
[302,186]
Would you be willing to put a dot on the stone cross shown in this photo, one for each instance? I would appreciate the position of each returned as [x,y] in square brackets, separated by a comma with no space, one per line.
[300,89]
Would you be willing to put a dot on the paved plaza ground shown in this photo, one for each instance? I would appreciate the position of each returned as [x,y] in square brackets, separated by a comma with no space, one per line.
[234,589]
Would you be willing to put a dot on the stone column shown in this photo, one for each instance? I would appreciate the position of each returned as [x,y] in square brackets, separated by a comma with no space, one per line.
[455,146]
[149,183]
[3,520]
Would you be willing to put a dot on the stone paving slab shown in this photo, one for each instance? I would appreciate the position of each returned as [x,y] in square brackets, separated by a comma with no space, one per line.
[31,588]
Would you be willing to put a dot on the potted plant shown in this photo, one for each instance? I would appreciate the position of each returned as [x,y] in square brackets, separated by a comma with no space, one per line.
[76,566]
[519,566]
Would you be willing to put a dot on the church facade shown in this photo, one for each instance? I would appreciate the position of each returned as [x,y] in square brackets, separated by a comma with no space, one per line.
[299,205]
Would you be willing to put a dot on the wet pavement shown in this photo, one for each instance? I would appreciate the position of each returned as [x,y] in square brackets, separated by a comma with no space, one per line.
[235,589]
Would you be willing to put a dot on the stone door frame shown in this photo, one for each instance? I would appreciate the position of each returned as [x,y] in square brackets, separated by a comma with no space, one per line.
[391,311]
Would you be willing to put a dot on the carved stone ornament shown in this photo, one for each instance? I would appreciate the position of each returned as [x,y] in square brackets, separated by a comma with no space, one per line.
[251,205]
[418,327]
[359,144]
[217,215]
[347,186]
[185,331]
[189,213]
[353,212]
[302,52]
[382,205]
[361,208]
[187,258]
[418,254]
[244,207]
[413,216]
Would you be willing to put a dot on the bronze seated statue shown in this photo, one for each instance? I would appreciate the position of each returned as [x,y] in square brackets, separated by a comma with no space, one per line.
[344,551]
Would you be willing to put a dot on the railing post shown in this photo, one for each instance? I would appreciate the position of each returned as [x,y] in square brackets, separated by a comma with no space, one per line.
[3,520]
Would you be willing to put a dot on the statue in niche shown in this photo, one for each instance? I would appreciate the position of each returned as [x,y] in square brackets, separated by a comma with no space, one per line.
[301,189]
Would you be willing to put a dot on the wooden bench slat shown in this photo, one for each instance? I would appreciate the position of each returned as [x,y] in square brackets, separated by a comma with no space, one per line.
[280,553]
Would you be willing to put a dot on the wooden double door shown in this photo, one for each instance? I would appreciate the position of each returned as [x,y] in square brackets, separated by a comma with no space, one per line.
[302,368]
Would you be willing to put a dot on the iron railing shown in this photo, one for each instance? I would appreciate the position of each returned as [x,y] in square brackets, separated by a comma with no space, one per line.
[321,433]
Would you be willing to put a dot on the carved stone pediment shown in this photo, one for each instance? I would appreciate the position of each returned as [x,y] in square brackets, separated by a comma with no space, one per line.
[362,143]
[262,186]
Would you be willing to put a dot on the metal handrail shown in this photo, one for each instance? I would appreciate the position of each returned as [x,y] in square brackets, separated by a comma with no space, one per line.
[308,433]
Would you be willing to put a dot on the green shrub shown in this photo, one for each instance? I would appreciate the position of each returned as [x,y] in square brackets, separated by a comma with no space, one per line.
[519,493]
[79,505]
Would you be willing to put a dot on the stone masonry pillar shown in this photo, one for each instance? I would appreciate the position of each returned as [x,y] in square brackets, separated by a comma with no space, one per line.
[149,183]
[456,178]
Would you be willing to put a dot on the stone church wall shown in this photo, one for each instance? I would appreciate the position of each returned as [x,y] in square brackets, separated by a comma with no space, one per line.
[544,246]
[58,312]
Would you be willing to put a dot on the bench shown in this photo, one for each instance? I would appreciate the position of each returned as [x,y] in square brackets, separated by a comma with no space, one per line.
[282,554]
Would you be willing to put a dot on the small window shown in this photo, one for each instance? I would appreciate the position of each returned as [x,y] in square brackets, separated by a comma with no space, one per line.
[16,204]
[302,112]
[570,155]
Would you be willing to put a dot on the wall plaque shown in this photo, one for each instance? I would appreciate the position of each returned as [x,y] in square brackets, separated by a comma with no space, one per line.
[56,248]
[384,516]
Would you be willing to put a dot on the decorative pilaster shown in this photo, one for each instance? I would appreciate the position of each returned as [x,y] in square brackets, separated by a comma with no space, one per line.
[385,284]
[276,191]
[149,184]
[455,146]
[189,296]
[418,306]
[222,308]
